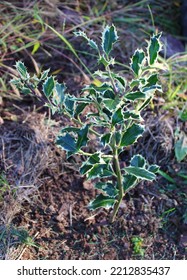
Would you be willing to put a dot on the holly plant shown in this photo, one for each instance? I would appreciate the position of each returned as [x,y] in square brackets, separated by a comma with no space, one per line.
[108,112]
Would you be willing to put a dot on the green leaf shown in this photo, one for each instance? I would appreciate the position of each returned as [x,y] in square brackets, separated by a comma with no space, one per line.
[154,168]
[121,82]
[105,139]
[152,89]
[91,161]
[67,143]
[129,182]
[107,171]
[91,42]
[138,161]
[109,37]
[110,104]
[102,60]
[107,112]
[135,95]
[132,115]
[79,108]
[26,90]
[69,104]
[145,103]
[180,145]
[96,166]
[154,47]
[140,172]
[35,47]
[137,61]
[117,117]
[82,137]
[58,94]
[108,188]
[131,135]
[22,70]
[152,80]
[100,170]
[96,171]
[134,83]
[166,176]
[183,115]
[48,86]
[118,137]
[102,201]
[69,129]
[109,94]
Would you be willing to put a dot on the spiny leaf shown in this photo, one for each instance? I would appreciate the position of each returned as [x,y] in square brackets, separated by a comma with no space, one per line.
[44,74]
[109,37]
[131,135]
[140,172]
[135,95]
[22,70]
[129,182]
[91,42]
[151,85]
[58,94]
[48,86]
[105,139]
[145,103]
[110,104]
[138,161]
[69,104]
[79,108]
[92,160]
[154,47]
[121,81]
[151,89]
[67,143]
[97,171]
[102,201]
[109,188]
[82,137]
[103,60]
[153,168]
[117,116]
[132,115]
[137,61]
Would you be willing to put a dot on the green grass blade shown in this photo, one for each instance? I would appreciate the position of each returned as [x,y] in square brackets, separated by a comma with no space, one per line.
[70,47]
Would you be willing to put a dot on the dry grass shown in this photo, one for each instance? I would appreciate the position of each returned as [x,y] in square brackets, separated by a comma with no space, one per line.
[25,154]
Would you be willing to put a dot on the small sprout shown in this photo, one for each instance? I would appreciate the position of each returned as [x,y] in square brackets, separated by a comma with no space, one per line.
[117,104]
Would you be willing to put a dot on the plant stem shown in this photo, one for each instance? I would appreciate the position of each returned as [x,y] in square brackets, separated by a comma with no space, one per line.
[119,182]
[111,79]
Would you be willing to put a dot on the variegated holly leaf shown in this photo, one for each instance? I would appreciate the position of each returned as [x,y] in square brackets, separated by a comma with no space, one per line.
[131,135]
[102,201]
[129,182]
[154,47]
[48,86]
[140,173]
[91,42]
[109,37]
[109,188]
[22,70]
[137,61]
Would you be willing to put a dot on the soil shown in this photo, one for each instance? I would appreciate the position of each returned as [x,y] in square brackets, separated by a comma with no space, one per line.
[54,213]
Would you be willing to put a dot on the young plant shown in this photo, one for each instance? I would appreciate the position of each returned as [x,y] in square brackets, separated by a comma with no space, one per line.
[112,116]
[137,243]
